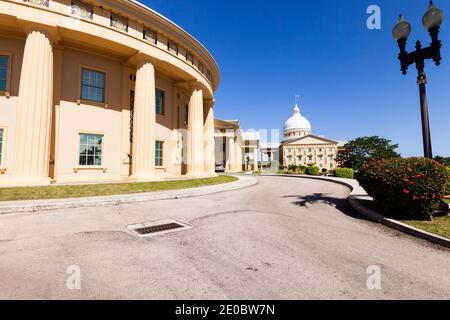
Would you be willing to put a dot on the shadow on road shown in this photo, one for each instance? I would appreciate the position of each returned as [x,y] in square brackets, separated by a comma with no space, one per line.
[322,198]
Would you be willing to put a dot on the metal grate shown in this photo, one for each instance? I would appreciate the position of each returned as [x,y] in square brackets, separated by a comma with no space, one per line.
[158,228]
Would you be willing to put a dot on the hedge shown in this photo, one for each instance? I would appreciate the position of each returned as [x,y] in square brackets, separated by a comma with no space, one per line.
[405,188]
[344,173]
[312,171]
[448,182]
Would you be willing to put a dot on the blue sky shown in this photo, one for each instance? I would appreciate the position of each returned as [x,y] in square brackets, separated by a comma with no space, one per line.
[348,76]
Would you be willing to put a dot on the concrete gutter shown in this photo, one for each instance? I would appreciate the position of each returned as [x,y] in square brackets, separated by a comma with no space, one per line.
[9,207]
[358,193]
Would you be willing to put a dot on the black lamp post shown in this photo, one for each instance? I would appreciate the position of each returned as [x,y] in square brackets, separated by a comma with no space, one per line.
[432,21]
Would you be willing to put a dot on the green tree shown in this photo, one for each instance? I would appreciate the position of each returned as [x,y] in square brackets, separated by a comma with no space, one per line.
[360,150]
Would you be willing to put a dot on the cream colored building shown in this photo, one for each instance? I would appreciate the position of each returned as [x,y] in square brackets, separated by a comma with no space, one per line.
[301,147]
[235,150]
[101,90]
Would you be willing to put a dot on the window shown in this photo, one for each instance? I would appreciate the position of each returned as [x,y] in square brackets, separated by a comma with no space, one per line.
[82,9]
[150,35]
[189,58]
[159,153]
[172,46]
[4,72]
[92,85]
[1,146]
[119,22]
[160,102]
[90,150]
[186,114]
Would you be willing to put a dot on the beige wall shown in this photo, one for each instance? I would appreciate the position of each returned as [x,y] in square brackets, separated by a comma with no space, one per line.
[164,126]
[292,152]
[88,117]
[14,48]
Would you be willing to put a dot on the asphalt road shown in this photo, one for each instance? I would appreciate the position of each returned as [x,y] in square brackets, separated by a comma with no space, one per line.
[285,238]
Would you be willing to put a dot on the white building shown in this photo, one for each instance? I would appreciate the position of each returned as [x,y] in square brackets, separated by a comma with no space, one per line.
[301,147]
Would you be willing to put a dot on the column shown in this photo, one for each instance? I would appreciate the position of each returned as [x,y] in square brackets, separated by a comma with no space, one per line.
[230,154]
[196,164]
[210,161]
[255,159]
[143,157]
[240,158]
[34,111]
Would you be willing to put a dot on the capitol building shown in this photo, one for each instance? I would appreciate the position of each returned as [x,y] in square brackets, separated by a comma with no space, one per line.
[301,147]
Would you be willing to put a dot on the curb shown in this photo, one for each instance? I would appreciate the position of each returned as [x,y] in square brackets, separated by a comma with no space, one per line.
[354,186]
[394,224]
[56,204]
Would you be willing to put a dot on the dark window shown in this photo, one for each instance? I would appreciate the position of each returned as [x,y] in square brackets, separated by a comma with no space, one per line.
[159,153]
[1,146]
[160,101]
[186,114]
[4,67]
[90,150]
[92,85]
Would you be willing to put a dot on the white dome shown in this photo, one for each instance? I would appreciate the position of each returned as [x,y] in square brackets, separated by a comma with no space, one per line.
[297,122]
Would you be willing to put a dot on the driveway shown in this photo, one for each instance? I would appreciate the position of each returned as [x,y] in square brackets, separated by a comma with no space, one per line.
[285,238]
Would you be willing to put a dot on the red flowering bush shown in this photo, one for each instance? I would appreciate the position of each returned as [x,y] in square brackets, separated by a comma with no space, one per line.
[448,183]
[405,188]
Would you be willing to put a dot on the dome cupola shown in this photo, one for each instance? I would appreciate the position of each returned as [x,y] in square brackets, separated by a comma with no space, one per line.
[297,125]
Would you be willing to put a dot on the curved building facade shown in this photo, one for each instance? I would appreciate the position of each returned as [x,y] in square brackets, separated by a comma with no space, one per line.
[101,90]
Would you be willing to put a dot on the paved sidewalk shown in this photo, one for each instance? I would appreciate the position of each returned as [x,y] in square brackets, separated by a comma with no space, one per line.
[8,207]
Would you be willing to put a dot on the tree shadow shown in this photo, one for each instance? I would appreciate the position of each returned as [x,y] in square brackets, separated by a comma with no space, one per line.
[340,204]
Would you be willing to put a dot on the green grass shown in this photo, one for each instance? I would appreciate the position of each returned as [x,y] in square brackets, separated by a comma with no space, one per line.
[439,226]
[447,201]
[92,190]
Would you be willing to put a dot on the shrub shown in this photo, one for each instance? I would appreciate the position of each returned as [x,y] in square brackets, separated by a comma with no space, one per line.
[405,188]
[447,191]
[347,173]
[292,169]
[312,171]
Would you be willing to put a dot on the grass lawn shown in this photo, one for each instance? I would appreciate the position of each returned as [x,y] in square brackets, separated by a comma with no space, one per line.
[91,190]
[439,225]
[447,201]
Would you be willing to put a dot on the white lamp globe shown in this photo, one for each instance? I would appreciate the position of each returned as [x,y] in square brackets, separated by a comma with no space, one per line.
[433,17]
[402,29]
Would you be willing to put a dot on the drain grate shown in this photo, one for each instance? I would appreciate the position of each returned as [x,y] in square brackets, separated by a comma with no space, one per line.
[158,228]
